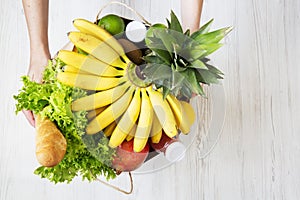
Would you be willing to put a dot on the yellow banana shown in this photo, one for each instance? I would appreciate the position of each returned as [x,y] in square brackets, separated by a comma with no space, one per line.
[156,130]
[94,113]
[163,112]
[108,130]
[131,133]
[71,69]
[96,48]
[127,121]
[110,114]
[88,64]
[88,82]
[88,27]
[188,113]
[181,120]
[100,99]
[144,124]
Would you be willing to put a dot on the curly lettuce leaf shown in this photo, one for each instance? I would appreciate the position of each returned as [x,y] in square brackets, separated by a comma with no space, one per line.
[86,156]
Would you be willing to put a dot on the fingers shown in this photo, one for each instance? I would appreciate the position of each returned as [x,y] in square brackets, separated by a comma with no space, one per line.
[36,74]
[38,62]
[29,116]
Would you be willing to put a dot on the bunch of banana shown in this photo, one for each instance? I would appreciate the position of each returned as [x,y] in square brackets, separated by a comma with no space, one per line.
[118,107]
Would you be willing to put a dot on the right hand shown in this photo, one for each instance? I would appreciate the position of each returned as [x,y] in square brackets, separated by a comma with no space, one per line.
[35,73]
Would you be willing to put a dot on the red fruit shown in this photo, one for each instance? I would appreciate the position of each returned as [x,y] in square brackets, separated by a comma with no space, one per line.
[128,160]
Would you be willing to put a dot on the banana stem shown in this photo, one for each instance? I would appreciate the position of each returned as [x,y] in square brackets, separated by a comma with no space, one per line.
[136,77]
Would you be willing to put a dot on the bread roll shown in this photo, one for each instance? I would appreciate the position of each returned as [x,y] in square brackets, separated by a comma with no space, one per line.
[51,145]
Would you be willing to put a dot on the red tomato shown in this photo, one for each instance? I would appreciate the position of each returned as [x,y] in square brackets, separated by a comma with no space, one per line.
[128,160]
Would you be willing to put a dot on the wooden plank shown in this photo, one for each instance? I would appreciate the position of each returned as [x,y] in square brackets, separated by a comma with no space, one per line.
[257,155]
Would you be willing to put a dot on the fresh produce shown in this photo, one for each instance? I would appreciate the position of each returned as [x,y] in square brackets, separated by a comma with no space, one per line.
[86,156]
[178,62]
[156,130]
[144,124]
[112,23]
[51,145]
[97,48]
[108,103]
[183,112]
[109,129]
[88,63]
[172,148]
[100,99]
[88,82]
[180,72]
[131,133]
[127,121]
[127,159]
[163,112]
[132,51]
[112,94]
[88,27]
[110,114]
[153,27]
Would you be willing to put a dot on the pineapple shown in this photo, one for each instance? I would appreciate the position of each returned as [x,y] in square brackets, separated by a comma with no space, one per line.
[178,60]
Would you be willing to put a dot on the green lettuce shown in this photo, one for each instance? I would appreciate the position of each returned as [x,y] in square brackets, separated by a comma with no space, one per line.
[87,156]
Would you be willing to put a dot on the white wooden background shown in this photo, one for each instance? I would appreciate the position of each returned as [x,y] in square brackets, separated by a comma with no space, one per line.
[258,154]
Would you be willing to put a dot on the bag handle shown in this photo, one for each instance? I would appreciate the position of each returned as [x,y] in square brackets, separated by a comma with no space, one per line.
[117,188]
[126,6]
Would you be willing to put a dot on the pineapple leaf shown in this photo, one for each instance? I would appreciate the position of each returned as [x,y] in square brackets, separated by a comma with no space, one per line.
[169,23]
[178,63]
[205,60]
[204,29]
[178,68]
[164,55]
[192,82]
[192,54]
[175,24]
[187,32]
[166,39]
[158,72]
[198,64]
[166,92]
[185,91]
[155,43]
[157,46]
[153,59]
[214,69]
[207,77]
[210,48]
[213,37]
[177,79]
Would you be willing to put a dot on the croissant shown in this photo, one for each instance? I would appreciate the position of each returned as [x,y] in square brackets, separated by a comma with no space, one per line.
[51,145]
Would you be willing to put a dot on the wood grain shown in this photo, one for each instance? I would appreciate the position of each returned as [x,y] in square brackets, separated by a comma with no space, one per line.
[258,152]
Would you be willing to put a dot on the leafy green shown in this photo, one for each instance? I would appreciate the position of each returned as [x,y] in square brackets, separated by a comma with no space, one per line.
[88,156]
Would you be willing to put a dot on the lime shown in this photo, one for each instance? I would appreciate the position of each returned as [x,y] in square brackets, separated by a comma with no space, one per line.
[150,31]
[112,23]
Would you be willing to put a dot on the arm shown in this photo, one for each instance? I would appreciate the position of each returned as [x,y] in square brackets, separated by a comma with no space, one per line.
[36,13]
[191,13]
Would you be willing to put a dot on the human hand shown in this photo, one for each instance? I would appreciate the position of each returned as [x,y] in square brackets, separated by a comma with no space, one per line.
[35,73]
[191,14]
[37,66]
[36,13]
